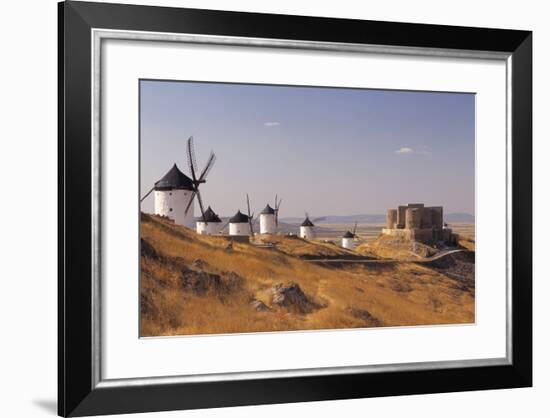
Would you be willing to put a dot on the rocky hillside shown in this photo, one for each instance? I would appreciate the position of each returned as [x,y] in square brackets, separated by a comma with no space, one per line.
[193,284]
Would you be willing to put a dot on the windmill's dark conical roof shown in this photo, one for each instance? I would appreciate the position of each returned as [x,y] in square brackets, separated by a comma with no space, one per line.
[268,210]
[174,179]
[209,216]
[307,222]
[239,218]
[348,234]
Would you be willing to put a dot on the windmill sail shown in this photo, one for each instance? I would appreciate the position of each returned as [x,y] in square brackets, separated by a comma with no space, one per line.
[277,205]
[225,225]
[208,166]
[191,160]
[201,206]
[194,169]
[250,216]
[147,194]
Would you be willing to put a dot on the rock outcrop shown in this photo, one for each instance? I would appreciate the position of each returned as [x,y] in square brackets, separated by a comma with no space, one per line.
[293,298]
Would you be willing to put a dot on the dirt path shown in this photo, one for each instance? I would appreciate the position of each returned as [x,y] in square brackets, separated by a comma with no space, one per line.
[387,260]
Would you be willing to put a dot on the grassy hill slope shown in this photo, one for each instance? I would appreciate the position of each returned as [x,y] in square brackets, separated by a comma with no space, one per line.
[193,284]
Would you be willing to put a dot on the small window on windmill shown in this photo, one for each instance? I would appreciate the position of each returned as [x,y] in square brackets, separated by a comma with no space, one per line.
[170,209]
[170,193]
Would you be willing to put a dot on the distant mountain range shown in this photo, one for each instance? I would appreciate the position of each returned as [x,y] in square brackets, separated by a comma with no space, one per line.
[371,219]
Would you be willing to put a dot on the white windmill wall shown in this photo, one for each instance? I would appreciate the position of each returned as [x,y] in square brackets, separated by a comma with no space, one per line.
[240,228]
[348,243]
[172,203]
[210,228]
[306,232]
[267,223]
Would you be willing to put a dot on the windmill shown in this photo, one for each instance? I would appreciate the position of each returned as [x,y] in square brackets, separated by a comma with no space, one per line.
[240,224]
[348,239]
[175,192]
[197,181]
[306,228]
[269,218]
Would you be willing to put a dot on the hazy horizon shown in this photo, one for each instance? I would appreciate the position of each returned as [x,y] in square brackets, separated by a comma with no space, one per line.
[327,151]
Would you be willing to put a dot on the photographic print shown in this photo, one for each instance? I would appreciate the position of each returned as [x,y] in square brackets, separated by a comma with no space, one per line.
[269,208]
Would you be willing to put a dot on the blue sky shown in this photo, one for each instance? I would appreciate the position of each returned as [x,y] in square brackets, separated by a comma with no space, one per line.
[328,151]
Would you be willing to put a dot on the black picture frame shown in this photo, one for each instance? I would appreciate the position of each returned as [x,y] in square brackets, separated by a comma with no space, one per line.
[77,394]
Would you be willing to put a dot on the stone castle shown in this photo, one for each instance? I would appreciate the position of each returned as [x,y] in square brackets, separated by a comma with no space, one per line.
[416,222]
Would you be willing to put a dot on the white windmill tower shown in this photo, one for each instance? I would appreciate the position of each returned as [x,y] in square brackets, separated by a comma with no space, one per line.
[348,239]
[209,224]
[238,224]
[174,193]
[269,218]
[306,229]
[241,224]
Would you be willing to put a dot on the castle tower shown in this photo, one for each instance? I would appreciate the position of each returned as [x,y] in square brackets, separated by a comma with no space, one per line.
[268,224]
[413,218]
[212,224]
[306,229]
[172,194]
[391,219]
[238,225]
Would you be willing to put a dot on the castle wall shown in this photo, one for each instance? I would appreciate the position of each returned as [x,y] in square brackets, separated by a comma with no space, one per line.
[413,218]
[437,216]
[398,233]
[422,235]
[426,221]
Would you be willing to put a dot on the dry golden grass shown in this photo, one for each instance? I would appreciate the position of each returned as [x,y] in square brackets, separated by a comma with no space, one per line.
[349,296]
[386,246]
